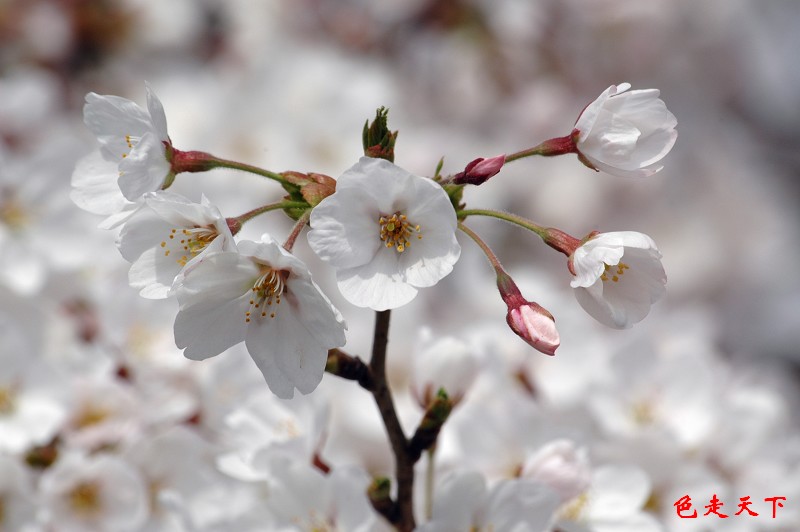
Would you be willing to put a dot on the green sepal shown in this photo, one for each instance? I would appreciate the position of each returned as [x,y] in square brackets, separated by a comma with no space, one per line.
[455,193]
[294,195]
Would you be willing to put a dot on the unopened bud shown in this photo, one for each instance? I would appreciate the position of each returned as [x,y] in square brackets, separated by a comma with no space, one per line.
[562,466]
[313,187]
[532,322]
[377,140]
[480,170]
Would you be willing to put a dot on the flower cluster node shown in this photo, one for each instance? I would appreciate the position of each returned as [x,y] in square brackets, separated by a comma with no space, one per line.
[396,229]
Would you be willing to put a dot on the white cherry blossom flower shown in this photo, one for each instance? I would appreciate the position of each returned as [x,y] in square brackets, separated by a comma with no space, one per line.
[100,492]
[463,502]
[614,502]
[168,233]
[387,233]
[135,143]
[266,298]
[626,133]
[618,276]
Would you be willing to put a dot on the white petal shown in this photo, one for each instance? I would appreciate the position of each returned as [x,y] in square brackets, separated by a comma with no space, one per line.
[181,211]
[153,274]
[317,315]
[145,168]
[430,259]
[143,230]
[219,277]
[286,353]
[618,491]
[377,284]
[157,116]
[95,188]
[111,118]
[207,330]
[345,229]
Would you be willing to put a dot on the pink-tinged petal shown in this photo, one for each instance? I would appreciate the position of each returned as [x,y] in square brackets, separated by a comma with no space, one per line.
[157,116]
[536,326]
[376,285]
[145,169]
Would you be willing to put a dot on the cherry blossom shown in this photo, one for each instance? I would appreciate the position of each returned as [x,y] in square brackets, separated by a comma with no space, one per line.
[387,233]
[168,233]
[134,156]
[618,276]
[100,492]
[266,298]
[625,133]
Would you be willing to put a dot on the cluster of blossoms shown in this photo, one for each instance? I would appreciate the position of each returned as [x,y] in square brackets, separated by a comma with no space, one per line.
[387,233]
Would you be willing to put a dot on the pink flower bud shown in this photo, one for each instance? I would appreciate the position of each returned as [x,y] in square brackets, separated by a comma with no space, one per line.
[480,170]
[532,322]
[535,325]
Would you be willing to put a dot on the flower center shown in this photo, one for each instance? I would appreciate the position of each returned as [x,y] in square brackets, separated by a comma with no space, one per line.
[131,141]
[396,229]
[85,498]
[188,243]
[614,275]
[90,415]
[7,400]
[266,290]
[574,509]
[12,212]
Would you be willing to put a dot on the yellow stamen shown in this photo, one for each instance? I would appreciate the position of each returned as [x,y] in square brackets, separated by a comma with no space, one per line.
[395,231]
[266,290]
[616,276]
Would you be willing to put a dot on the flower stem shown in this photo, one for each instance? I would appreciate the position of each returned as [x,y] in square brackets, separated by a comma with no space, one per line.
[484,247]
[404,464]
[225,163]
[549,148]
[507,217]
[298,226]
[198,161]
[430,475]
[249,215]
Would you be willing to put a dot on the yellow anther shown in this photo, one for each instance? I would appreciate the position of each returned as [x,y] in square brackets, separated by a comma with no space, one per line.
[268,289]
[395,231]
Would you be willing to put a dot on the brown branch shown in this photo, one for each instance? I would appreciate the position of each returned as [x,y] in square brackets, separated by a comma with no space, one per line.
[404,464]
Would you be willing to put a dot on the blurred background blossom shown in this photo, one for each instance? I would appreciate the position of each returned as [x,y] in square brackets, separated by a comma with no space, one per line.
[700,398]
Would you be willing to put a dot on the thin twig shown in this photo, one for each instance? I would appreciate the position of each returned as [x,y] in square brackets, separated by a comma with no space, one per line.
[404,464]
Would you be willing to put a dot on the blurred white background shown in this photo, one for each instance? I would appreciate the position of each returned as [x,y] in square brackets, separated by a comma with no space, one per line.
[287,85]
